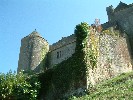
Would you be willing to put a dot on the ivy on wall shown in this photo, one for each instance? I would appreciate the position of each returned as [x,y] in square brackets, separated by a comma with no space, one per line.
[81,31]
[71,73]
[92,47]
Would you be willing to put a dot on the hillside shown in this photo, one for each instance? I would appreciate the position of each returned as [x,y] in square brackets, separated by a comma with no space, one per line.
[120,87]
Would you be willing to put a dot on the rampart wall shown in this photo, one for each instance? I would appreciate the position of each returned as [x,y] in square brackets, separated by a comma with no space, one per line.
[124,19]
[114,58]
[62,50]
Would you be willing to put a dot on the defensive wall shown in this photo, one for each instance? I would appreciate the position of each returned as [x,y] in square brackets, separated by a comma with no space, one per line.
[62,50]
[110,51]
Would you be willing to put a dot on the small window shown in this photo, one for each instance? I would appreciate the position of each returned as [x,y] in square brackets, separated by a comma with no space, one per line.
[57,54]
[60,54]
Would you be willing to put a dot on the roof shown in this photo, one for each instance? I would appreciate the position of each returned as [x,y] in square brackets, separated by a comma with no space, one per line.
[34,33]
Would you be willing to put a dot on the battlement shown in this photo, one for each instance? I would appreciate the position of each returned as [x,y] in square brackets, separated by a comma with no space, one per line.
[62,50]
[121,6]
[35,34]
[32,52]
[107,25]
[125,11]
[63,42]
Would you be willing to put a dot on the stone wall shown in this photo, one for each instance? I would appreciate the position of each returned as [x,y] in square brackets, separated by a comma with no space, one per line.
[62,50]
[114,58]
[123,18]
[32,52]
[24,56]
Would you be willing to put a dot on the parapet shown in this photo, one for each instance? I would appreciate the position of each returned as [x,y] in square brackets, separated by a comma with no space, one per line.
[35,34]
[63,42]
[121,6]
[105,25]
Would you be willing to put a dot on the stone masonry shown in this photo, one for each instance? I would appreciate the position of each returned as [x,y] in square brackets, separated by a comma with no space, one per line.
[62,50]
[122,17]
[32,52]
[115,51]
[113,59]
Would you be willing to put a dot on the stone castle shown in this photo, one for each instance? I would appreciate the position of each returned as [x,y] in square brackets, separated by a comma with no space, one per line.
[115,51]
[34,50]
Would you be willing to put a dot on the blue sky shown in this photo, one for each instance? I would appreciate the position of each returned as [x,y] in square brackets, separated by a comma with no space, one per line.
[53,19]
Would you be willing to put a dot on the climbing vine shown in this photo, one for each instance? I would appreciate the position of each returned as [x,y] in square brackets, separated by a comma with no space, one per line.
[44,52]
[81,31]
[92,51]
[72,72]
[109,32]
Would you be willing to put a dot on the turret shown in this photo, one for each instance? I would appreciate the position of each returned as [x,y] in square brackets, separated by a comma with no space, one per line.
[33,53]
[110,13]
[121,6]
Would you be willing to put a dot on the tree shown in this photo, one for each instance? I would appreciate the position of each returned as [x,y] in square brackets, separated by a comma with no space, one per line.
[18,86]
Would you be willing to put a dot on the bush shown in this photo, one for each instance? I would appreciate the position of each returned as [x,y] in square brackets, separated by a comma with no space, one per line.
[18,86]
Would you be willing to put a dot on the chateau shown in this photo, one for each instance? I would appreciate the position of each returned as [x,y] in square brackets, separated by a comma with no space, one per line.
[113,48]
[34,49]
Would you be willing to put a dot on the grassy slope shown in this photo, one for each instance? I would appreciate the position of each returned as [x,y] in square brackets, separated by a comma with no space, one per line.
[118,88]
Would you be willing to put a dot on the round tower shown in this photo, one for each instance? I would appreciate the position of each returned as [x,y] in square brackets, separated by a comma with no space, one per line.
[33,52]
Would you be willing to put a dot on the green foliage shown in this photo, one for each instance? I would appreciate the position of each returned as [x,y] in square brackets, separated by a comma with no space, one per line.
[92,49]
[81,31]
[71,72]
[118,88]
[109,32]
[45,80]
[92,58]
[18,86]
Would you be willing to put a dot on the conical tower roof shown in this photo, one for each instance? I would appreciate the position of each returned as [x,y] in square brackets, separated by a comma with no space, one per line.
[35,33]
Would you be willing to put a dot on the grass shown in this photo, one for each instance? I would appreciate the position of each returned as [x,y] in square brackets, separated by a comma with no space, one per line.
[118,88]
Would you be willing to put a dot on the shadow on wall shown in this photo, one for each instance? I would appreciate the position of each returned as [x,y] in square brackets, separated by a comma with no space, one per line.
[42,66]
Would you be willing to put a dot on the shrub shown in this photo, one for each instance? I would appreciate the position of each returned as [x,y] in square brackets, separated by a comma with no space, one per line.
[18,86]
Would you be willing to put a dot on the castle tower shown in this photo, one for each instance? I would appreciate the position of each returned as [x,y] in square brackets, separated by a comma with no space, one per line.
[33,53]
[110,13]
[121,6]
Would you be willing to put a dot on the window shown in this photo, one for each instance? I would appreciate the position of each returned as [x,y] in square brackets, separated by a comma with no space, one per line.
[59,54]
